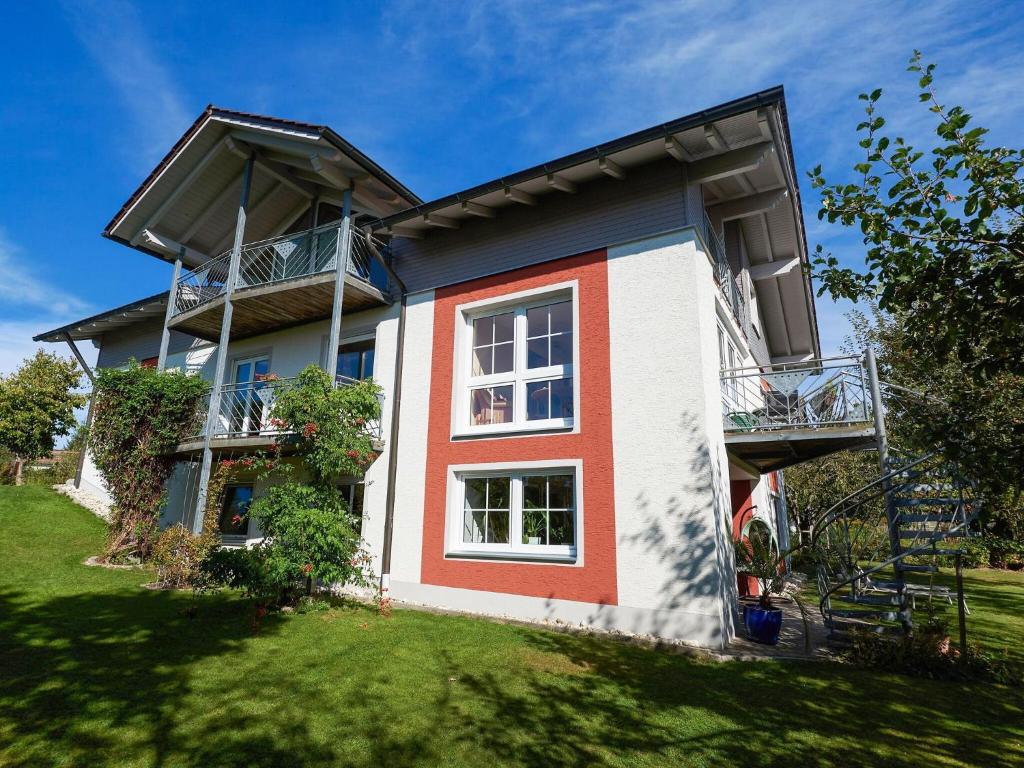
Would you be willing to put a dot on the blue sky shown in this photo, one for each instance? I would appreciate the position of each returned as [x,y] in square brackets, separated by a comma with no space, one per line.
[443,95]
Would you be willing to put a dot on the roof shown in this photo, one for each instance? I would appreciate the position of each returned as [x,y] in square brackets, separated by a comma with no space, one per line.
[154,306]
[770,96]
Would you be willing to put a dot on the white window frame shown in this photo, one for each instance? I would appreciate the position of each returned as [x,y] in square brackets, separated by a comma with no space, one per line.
[520,376]
[515,549]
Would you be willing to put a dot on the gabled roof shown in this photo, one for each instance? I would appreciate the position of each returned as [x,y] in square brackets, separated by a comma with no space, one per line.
[191,197]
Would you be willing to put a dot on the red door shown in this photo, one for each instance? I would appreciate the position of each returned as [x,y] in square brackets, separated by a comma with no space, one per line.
[742,510]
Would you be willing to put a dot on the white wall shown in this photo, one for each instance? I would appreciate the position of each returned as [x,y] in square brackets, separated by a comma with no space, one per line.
[671,504]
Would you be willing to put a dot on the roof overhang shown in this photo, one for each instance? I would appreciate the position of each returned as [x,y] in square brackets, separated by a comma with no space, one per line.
[740,152]
[149,308]
[190,200]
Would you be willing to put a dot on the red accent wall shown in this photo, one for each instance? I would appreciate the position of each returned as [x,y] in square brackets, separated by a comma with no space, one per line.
[742,493]
[595,580]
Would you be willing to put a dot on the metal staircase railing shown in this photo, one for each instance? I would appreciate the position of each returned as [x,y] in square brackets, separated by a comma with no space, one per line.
[917,508]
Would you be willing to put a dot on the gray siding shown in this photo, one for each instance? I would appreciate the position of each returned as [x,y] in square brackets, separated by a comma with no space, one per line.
[651,199]
[139,342]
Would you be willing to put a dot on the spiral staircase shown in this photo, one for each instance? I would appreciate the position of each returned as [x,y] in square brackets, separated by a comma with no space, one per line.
[877,551]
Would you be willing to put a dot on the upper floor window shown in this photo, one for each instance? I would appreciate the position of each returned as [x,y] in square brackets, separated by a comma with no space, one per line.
[517,372]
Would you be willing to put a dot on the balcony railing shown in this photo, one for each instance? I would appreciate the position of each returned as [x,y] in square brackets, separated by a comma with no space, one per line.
[829,392]
[727,280]
[246,410]
[303,254]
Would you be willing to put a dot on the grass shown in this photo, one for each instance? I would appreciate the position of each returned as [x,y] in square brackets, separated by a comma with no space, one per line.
[95,671]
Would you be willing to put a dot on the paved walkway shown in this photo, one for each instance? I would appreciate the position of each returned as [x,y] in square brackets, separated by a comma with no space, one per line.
[792,644]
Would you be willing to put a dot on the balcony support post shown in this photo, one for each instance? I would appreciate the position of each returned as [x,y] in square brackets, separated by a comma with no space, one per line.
[222,347]
[341,260]
[172,298]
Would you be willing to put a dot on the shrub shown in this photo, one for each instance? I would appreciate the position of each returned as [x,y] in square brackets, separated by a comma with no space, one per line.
[975,553]
[179,557]
[139,416]
[1005,553]
[927,652]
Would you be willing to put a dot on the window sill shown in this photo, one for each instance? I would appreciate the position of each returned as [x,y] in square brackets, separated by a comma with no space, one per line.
[511,557]
[516,431]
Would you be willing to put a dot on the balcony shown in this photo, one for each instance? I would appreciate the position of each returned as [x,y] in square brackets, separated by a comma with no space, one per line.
[776,416]
[245,416]
[281,282]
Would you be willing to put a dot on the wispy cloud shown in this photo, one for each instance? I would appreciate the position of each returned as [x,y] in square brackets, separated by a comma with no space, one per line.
[22,288]
[130,59]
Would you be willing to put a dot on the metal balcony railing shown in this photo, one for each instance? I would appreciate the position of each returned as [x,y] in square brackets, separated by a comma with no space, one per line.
[288,257]
[246,410]
[730,285]
[814,394]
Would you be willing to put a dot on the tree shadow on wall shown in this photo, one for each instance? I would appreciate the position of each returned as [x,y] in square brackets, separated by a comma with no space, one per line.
[682,537]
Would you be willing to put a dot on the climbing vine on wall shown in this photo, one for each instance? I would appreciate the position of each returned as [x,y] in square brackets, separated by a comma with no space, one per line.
[140,415]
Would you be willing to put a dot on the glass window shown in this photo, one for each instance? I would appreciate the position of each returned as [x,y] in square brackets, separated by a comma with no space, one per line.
[355,360]
[234,512]
[520,370]
[529,512]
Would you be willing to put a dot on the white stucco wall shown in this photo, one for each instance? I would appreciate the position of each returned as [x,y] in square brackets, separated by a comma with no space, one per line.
[669,456]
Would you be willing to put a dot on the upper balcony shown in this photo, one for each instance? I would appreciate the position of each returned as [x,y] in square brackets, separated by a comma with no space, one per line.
[281,282]
[779,415]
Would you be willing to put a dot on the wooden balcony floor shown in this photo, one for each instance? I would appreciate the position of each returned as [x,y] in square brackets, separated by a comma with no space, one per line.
[274,306]
[774,449]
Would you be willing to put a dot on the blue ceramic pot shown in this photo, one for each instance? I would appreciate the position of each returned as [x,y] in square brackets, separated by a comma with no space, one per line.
[763,625]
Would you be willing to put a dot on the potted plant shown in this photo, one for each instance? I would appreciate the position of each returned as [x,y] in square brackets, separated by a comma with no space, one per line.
[758,554]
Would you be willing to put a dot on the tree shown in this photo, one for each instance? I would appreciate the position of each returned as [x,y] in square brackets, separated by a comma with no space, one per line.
[976,421]
[814,486]
[944,232]
[37,405]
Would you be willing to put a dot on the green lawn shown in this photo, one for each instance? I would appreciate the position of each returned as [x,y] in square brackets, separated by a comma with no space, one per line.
[95,671]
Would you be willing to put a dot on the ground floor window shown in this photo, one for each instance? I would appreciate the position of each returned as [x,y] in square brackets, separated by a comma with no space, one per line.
[234,512]
[529,513]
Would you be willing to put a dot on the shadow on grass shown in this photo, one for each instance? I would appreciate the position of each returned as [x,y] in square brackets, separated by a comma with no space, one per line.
[78,667]
[629,705]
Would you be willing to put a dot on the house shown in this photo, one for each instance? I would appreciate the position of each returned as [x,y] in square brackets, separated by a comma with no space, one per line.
[575,424]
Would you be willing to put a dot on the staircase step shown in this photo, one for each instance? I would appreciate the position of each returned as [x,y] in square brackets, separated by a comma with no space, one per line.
[868,599]
[843,613]
[910,517]
[923,535]
[933,501]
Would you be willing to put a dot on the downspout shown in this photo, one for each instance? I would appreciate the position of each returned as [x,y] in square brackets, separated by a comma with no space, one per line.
[396,411]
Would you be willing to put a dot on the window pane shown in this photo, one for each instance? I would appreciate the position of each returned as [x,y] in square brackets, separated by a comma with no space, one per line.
[481,406]
[504,358]
[348,364]
[497,527]
[534,493]
[482,358]
[560,528]
[560,492]
[476,492]
[537,352]
[483,331]
[538,395]
[498,492]
[474,522]
[561,317]
[535,525]
[537,322]
[501,407]
[561,399]
[367,370]
[504,327]
[561,349]
[233,520]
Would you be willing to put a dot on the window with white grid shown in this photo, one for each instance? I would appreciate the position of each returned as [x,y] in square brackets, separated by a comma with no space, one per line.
[517,367]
